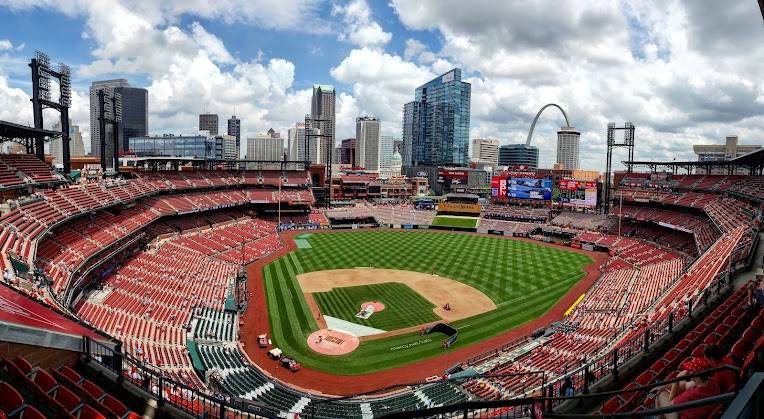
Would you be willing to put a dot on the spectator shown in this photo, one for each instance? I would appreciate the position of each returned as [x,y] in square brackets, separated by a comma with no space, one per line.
[725,379]
[698,388]
[567,390]
[8,276]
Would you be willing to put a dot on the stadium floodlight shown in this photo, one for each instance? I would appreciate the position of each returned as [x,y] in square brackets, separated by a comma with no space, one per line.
[65,98]
[43,71]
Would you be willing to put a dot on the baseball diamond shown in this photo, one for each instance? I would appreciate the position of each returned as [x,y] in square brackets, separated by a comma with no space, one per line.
[521,278]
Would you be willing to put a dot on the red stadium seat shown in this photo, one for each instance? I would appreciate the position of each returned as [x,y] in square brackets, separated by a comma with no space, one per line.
[10,399]
[32,413]
[115,406]
[23,365]
[44,381]
[68,399]
[69,374]
[92,389]
[613,405]
[90,413]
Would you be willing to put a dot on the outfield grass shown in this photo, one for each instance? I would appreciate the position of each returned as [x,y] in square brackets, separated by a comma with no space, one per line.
[524,280]
[466,222]
[403,306]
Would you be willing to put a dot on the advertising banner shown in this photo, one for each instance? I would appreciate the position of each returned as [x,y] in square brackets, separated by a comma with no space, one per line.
[578,193]
[529,188]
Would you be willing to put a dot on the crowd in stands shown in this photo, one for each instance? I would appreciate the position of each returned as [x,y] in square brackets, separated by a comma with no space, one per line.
[515,213]
[395,214]
[517,228]
[583,221]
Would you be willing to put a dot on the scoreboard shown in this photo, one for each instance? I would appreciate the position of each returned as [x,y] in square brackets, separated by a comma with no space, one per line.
[578,193]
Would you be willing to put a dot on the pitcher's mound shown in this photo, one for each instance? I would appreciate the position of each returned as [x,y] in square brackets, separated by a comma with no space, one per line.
[377,306]
[332,342]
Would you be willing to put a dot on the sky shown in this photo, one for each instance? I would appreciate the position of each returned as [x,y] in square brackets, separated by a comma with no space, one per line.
[683,71]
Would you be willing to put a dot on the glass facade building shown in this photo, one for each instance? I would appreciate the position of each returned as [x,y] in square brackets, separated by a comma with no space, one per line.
[135,115]
[519,154]
[197,146]
[436,124]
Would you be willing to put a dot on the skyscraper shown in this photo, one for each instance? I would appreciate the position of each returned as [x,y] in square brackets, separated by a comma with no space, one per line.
[485,150]
[568,140]
[209,122]
[295,135]
[322,115]
[367,142]
[386,150]
[347,155]
[296,144]
[95,128]
[135,114]
[234,129]
[436,124]
[268,146]
[76,147]
[519,155]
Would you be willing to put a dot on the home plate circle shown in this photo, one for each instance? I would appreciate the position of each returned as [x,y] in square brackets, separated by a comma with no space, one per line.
[332,342]
[376,304]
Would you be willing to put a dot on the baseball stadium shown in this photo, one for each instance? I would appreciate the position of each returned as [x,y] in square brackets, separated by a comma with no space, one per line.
[211,293]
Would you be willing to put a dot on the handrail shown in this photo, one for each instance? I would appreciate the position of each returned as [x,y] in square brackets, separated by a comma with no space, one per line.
[531,401]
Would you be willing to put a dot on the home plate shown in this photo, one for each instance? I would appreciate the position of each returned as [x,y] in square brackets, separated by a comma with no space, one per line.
[332,342]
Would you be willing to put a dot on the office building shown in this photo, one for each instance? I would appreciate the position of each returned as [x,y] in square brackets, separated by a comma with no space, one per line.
[296,144]
[436,124]
[198,146]
[268,146]
[722,152]
[322,118]
[135,115]
[208,122]
[386,150]
[296,141]
[485,150]
[519,155]
[347,151]
[76,146]
[234,129]
[95,128]
[230,146]
[367,143]
[568,140]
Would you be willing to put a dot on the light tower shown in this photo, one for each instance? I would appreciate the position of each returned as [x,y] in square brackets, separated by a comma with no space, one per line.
[41,99]
[628,142]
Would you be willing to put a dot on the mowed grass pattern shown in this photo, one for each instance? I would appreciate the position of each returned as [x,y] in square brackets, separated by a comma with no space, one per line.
[404,307]
[468,222]
[524,279]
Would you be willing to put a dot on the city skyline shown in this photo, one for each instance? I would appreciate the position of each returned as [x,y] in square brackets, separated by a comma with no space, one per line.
[634,66]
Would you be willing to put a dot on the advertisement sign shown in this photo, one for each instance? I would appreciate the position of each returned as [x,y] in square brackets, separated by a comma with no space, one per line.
[498,187]
[578,193]
[529,188]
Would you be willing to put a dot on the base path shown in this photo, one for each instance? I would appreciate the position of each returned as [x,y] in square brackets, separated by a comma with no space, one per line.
[255,321]
[464,300]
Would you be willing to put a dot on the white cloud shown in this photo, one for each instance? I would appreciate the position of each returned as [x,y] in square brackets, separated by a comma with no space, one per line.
[358,26]
[641,61]
[381,84]
[5,45]
[189,69]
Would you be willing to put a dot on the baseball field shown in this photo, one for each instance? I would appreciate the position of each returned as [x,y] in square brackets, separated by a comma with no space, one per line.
[508,282]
